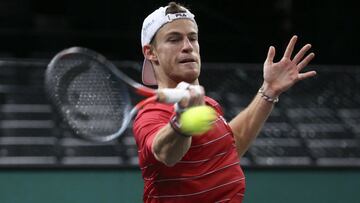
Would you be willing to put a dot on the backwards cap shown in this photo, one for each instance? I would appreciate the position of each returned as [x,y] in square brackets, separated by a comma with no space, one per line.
[151,25]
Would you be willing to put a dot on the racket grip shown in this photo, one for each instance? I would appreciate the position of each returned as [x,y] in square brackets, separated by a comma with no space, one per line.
[169,95]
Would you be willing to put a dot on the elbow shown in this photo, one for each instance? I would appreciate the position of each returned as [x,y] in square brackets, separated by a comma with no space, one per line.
[169,163]
[166,159]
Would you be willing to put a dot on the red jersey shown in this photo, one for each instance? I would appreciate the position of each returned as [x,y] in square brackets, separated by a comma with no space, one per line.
[209,171]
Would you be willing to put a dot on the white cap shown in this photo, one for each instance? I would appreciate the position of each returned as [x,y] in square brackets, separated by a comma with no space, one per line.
[151,25]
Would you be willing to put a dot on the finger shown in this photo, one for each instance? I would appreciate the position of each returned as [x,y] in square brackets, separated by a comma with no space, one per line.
[301,53]
[196,95]
[199,100]
[193,96]
[270,55]
[305,61]
[197,88]
[200,93]
[184,103]
[290,47]
[309,74]
[195,99]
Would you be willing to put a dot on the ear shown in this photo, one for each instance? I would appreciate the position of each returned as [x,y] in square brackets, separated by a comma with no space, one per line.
[148,52]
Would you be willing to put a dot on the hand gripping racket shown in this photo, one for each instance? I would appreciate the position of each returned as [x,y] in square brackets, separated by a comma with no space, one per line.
[92,94]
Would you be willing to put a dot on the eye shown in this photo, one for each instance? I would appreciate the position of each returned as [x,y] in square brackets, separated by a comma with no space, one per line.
[193,38]
[174,39]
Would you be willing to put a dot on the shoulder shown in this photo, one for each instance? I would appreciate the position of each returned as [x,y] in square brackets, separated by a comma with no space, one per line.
[154,111]
[150,120]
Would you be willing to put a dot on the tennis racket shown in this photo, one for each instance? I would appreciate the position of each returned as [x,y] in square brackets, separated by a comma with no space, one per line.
[93,96]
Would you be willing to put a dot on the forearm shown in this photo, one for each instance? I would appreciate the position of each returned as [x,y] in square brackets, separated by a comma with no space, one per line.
[169,147]
[278,77]
[247,124]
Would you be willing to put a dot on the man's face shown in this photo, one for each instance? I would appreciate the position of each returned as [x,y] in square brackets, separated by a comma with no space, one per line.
[177,51]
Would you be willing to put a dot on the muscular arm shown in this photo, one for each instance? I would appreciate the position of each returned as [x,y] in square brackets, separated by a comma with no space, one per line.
[248,123]
[169,147]
[278,77]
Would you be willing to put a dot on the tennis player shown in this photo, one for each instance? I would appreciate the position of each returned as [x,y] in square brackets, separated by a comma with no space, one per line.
[177,167]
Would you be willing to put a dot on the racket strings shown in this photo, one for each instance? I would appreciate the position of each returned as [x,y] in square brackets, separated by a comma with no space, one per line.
[92,99]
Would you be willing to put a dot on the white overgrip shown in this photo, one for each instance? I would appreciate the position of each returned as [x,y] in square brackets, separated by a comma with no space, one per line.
[169,95]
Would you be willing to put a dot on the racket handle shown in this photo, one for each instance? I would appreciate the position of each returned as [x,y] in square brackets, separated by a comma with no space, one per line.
[169,95]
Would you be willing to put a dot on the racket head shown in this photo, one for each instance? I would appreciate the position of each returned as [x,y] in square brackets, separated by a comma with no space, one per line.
[90,97]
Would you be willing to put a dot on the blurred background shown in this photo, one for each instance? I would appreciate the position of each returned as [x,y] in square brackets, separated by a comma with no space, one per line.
[39,28]
[309,150]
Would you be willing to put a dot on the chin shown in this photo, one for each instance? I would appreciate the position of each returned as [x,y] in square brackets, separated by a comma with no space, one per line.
[191,67]
[188,72]
[190,78]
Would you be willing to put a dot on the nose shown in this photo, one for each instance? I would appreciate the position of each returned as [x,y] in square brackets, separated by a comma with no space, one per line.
[187,45]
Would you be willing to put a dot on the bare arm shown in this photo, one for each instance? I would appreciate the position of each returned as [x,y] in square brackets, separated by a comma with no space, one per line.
[248,123]
[169,146]
[278,77]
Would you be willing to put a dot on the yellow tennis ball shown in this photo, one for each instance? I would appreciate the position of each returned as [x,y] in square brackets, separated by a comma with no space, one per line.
[197,120]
